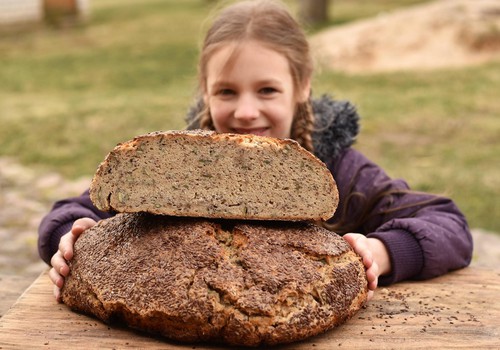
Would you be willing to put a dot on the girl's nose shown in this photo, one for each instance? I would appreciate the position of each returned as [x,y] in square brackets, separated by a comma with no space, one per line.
[246,108]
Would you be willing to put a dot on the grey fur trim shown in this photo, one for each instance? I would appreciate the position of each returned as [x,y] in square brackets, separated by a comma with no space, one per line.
[336,125]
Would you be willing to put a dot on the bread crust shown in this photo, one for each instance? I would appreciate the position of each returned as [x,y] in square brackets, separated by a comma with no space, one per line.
[201,173]
[216,281]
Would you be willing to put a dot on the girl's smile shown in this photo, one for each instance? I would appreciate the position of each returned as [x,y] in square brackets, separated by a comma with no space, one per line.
[249,89]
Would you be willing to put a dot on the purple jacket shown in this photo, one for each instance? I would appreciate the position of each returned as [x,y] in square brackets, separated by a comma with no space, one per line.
[425,235]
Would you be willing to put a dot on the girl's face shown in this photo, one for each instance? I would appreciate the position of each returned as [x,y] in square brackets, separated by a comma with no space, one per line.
[252,95]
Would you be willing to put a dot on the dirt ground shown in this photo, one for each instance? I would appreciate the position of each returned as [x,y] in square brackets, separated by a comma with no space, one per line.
[439,34]
[26,195]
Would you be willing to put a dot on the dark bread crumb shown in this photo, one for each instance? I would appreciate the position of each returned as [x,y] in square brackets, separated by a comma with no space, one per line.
[205,174]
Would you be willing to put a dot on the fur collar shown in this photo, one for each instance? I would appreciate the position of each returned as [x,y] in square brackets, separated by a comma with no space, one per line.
[336,125]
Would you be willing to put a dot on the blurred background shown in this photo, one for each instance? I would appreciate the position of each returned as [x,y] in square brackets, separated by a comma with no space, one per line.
[77,77]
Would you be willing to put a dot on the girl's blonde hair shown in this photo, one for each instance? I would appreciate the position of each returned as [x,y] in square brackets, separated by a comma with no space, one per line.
[269,23]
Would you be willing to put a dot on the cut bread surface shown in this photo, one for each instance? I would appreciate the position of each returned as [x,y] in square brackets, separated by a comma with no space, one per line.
[205,174]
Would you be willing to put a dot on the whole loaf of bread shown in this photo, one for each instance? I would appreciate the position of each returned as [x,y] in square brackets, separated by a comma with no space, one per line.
[216,281]
[205,174]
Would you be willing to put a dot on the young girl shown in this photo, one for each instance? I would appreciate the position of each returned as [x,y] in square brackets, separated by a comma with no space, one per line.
[255,77]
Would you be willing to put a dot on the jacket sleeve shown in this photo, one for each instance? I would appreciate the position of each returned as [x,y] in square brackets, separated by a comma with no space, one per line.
[426,235]
[60,219]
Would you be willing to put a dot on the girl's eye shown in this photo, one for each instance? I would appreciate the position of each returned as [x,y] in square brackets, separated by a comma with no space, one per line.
[225,92]
[268,90]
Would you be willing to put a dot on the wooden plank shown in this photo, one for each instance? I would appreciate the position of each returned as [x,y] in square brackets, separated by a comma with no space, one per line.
[459,310]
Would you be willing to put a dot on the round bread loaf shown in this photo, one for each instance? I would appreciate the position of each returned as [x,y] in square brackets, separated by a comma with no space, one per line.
[216,281]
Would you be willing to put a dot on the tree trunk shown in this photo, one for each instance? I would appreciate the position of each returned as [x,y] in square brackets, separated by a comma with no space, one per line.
[313,11]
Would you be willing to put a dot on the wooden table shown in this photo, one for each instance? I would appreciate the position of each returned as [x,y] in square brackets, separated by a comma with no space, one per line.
[459,310]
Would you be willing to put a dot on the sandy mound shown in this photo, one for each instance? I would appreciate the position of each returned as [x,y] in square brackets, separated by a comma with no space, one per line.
[439,34]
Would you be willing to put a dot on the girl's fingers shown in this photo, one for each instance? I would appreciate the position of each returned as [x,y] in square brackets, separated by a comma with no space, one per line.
[59,264]
[57,273]
[81,225]
[360,245]
[372,276]
[68,240]
[372,285]
[56,278]
[373,272]
[57,293]
[60,268]
[66,246]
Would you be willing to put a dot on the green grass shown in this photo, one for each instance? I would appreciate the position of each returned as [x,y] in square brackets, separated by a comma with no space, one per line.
[438,130]
[68,96]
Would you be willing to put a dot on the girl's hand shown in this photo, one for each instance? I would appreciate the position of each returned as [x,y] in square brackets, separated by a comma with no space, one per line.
[374,255]
[60,268]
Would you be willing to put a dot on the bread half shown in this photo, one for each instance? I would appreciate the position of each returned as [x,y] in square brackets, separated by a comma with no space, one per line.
[205,174]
